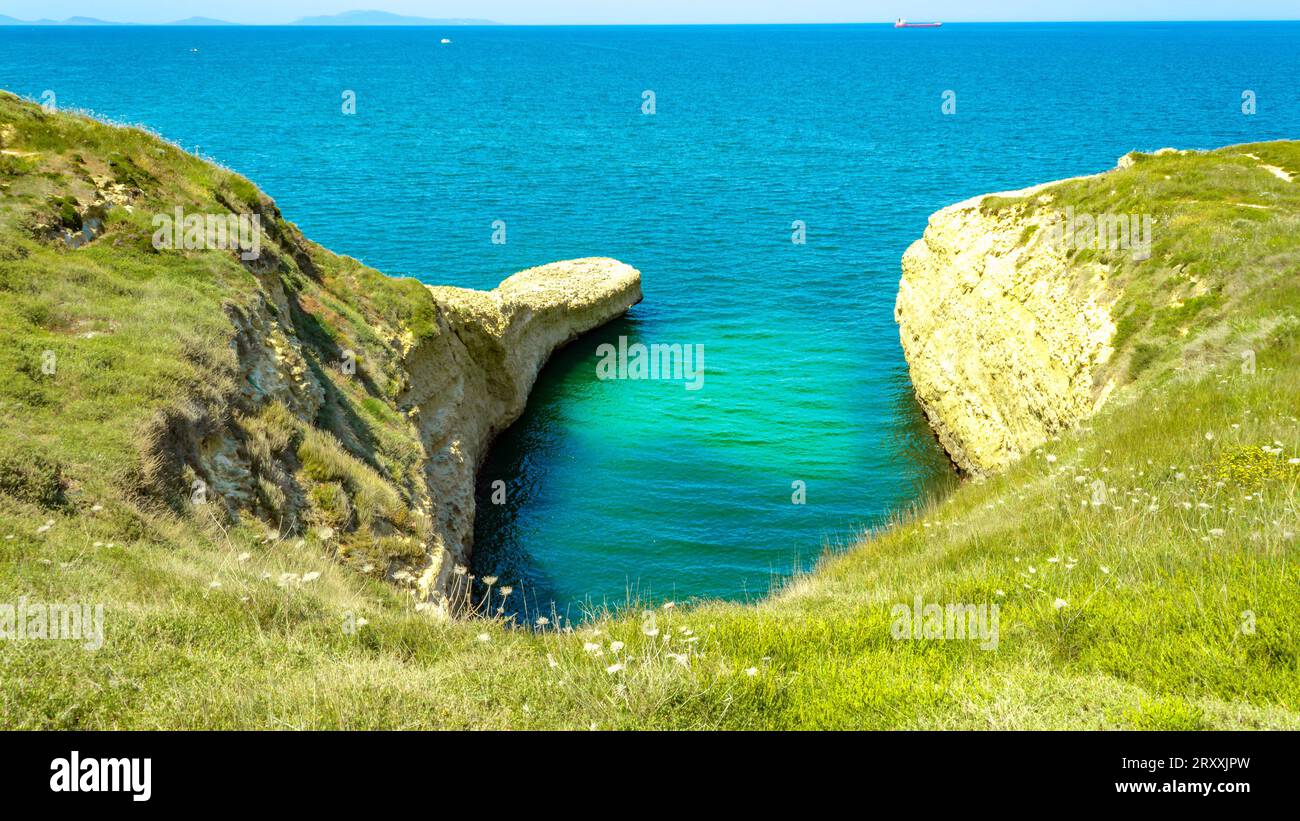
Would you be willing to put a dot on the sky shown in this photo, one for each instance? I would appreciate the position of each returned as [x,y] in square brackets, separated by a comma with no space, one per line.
[542,12]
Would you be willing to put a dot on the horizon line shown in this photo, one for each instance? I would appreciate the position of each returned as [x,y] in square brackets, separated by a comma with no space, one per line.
[469,22]
[101,23]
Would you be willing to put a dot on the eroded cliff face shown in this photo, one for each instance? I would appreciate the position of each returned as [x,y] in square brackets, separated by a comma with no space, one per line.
[1004,331]
[292,446]
[471,379]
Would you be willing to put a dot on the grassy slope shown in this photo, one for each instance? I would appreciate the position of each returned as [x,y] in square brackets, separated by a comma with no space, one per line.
[1150,636]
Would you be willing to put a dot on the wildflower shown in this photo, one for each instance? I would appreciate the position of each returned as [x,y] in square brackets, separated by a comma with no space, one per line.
[614,668]
[505,591]
[1060,604]
[551,662]
[1105,569]
[311,577]
[362,621]
[681,658]
[591,647]
[1209,437]
[1216,532]
[669,605]
[49,523]
[214,584]
[615,646]
[96,508]
[752,671]
[1051,458]
[542,621]
[999,593]
[243,557]
[367,568]
[484,637]
[461,570]
[489,580]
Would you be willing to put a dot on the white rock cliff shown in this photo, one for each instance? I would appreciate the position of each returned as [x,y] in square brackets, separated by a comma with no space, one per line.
[472,378]
[1004,333]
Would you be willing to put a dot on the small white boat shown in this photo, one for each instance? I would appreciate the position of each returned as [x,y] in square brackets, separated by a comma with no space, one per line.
[445,41]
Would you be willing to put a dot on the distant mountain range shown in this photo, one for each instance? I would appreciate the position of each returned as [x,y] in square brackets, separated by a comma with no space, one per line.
[347,18]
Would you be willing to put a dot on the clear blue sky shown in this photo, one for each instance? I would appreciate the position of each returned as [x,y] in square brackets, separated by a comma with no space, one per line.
[667,11]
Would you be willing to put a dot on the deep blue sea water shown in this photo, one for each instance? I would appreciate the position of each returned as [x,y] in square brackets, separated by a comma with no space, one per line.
[614,485]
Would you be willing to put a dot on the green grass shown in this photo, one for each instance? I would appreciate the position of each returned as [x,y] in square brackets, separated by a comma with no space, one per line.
[1179,587]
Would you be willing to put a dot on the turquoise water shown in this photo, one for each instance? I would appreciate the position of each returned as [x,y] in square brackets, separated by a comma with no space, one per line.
[614,485]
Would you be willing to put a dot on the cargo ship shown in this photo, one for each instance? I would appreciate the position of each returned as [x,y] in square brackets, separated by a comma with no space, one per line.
[900,23]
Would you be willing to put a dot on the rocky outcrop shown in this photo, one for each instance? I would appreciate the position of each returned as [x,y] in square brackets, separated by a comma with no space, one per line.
[465,377]
[471,378]
[1003,330]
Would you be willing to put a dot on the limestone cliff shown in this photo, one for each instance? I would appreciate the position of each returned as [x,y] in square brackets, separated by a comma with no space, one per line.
[1004,331]
[471,379]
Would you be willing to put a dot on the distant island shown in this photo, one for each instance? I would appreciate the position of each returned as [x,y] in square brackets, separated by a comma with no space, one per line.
[384,18]
[346,18]
[71,21]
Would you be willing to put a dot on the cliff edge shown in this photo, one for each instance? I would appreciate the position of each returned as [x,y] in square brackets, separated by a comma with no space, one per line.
[1022,313]
[472,378]
[1003,335]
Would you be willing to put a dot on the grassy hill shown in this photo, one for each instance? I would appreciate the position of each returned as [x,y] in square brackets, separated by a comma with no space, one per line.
[1167,603]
